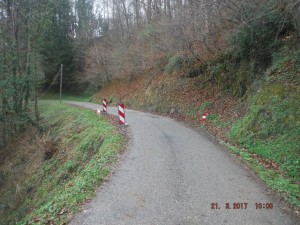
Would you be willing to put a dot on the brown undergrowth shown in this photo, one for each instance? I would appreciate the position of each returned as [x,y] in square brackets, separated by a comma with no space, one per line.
[21,159]
[182,101]
[178,97]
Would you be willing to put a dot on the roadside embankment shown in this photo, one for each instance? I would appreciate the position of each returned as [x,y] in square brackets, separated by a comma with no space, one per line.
[56,166]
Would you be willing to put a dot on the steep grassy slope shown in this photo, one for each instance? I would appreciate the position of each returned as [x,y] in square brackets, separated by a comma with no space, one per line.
[252,107]
[64,162]
[271,127]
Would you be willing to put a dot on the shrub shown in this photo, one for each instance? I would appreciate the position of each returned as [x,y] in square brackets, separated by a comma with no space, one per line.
[177,62]
[148,32]
[258,34]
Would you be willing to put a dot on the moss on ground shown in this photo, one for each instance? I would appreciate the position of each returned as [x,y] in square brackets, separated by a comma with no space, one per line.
[271,128]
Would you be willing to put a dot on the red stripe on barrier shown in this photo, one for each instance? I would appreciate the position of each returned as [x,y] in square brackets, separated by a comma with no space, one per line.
[121,110]
[104,105]
[204,115]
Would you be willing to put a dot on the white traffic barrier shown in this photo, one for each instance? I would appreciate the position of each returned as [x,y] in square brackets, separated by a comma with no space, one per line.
[104,106]
[121,110]
[204,116]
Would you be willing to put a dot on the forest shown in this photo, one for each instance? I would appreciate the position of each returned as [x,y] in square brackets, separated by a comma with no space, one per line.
[245,50]
[99,40]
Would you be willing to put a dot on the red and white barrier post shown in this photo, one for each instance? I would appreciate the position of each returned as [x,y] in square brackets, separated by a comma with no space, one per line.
[121,110]
[104,106]
[204,116]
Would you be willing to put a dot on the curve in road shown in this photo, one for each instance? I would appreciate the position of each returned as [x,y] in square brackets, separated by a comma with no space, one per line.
[171,175]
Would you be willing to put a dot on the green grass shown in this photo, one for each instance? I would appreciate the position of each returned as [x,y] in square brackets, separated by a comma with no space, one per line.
[88,144]
[275,180]
[217,122]
[271,128]
[66,97]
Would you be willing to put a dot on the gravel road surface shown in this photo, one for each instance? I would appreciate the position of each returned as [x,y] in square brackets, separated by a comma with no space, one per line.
[171,174]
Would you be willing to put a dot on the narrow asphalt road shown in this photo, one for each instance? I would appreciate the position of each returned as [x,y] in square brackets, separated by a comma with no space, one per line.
[171,175]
